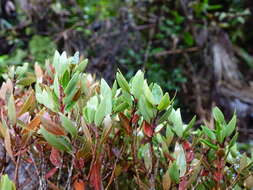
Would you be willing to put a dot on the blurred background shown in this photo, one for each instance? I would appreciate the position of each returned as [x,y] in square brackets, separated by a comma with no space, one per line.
[201,50]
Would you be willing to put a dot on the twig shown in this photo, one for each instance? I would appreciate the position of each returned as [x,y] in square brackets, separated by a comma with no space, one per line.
[177,51]
[16,171]
[113,172]
[153,157]
[70,171]
[60,171]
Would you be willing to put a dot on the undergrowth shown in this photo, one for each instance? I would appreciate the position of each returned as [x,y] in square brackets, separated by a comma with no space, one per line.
[128,136]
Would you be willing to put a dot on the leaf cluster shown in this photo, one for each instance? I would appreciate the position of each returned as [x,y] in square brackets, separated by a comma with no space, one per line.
[125,136]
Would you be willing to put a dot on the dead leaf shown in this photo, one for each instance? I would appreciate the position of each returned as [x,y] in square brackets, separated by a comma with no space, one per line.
[29,103]
[125,123]
[51,126]
[166,181]
[55,157]
[248,183]
[34,124]
[7,139]
[79,185]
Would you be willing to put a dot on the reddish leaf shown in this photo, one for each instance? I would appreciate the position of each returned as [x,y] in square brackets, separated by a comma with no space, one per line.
[38,72]
[79,163]
[218,176]
[6,87]
[51,173]
[189,156]
[29,160]
[186,145]
[95,176]
[219,164]
[34,124]
[135,118]
[125,123]
[21,152]
[79,185]
[147,129]
[52,186]
[51,126]
[204,173]
[183,184]
[55,157]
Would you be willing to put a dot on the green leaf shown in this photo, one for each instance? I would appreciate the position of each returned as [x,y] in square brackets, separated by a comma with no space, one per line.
[58,142]
[69,98]
[27,81]
[12,110]
[175,118]
[75,59]
[46,98]
[100,113]
[90,109]
[137,84]
[218,115]
[20,71]
[162,140]
[107,95]
[6,183]
[189,126]
[122,82]
[62,64]
[181,160]
[147,157]
[166,115]
[81,66]
[56,86]
[56,59]
[64,80]
[107,128]
[68,125]
[114,88]
[233,140]
[208,132]
[164,103]
[169,135]
[174,172]
[145,108]
[230,127]
[72,84]
[121,107]
[210,144]
[148,94]
[157,93]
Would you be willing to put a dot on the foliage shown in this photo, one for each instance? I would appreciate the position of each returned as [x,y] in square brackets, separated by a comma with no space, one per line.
[126,136]
[6,183]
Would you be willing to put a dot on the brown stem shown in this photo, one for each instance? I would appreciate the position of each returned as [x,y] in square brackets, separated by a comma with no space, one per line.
[152,174]
[16,171]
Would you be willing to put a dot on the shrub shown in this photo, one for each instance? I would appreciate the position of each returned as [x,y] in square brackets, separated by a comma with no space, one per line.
[88,134]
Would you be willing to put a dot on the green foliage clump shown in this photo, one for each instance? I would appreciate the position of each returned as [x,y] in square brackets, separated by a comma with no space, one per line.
[126,136]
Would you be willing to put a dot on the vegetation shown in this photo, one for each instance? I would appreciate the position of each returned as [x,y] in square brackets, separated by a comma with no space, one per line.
[79,132]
